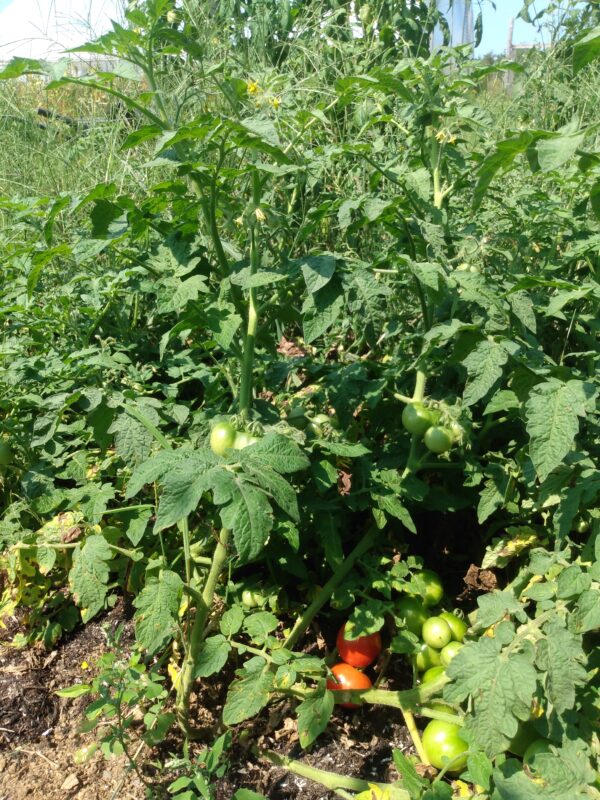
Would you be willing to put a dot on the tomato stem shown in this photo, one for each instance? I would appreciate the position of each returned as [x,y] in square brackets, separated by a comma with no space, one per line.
[325,593]
[198,630]
[330,780]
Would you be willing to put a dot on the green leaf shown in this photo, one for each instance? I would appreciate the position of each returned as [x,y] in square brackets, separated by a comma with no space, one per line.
[322,309]
[501,686]
[409,778]
[231,621]
[586,50]
[247,514]
[502,160]
[586,616]
[484,367]
[314,714]
[553,412]
[248,280]
[317,271]
[212,656]
[182,489]
[88,577]
[557,150]
[95,501]
[258,626]
[560,655]
[494,606]
[279,453]
[157,606]
[247,696]
[247,794]
[137,526]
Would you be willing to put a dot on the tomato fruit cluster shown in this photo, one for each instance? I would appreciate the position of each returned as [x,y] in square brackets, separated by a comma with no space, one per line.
[224,436]
[360,652]
[420,420]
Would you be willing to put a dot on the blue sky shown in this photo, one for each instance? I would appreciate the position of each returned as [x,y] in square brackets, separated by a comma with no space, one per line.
[495,25]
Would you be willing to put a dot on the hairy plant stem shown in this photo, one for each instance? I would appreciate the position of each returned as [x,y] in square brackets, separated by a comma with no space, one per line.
[330,780]
[197,633]
[303,621]
[245,398]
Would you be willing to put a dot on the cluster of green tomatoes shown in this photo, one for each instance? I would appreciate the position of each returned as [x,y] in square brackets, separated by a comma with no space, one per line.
[441,637]
[224,436]
[424,421]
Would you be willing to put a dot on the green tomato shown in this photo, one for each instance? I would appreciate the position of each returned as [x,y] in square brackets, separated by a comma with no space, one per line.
[436,633]
[438,439]
[426,658]
[429,585]
[297,417]
[581,525]
[326,419]
[432,674]
[457,625]
[314,430]
[417,419]
[442,744]
[536,748]
[243,439]
[222,437]
[525,735]
[251,598]
[449,651]
[411,610]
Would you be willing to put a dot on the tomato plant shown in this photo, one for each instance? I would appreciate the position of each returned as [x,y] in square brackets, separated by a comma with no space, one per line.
[358,652]
[347,677]
[222,437]
[436,632]
[438,439]
[443,745]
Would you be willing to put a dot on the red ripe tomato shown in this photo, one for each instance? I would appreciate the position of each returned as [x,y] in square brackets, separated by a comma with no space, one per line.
[358,652]
[347,678]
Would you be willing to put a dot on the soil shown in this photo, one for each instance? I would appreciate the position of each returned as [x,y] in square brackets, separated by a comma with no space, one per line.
[40,732]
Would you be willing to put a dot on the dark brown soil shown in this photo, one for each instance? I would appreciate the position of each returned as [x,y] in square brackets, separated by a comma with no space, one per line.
[39,733]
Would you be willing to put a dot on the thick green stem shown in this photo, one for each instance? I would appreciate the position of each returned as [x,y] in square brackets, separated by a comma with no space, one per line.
[325,593]
[411,725]
[420,381]
[251,330]
[197,633]
[330,780]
